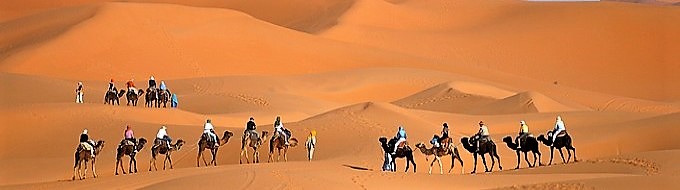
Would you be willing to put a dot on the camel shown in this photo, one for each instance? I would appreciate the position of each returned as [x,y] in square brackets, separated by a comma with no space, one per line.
[203,144]
[279,143]
[488,147]
[530,144]
[151,98]
[253,141]
[560,142]
[163,97]
[163,149]
[127,148]
[82,156]
[402,152]
[112,98]
[441,152]
[132,98]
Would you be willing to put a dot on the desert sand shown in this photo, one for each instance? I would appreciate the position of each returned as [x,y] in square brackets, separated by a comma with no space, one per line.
[353,70]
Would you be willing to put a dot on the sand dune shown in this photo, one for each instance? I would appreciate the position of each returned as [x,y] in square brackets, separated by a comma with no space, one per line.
[352,70]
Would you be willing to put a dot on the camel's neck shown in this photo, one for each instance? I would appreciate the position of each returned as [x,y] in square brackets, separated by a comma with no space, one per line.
[426,150]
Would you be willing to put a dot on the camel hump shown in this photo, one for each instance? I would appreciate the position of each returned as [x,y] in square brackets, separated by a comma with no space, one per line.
[562,134]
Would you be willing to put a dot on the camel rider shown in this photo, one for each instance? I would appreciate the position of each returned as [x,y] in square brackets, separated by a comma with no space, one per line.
[250,126]
[445,133]
[559,127]
[152,83]
[435,141]
[163,87]
[210,131]
[483,133]
[112,87]
[278,127]
[129,136]
[174,101]
[131,86]
[162,136]
[85,138]
[401,137]
[79,92]
[523,133]
[311,144]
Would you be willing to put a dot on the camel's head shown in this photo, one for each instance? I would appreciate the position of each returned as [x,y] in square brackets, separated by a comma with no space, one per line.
[100,143]
[420,145]
[179,143]
[383,140]
[141,142]
[465,140]
[227,135]
[507,139]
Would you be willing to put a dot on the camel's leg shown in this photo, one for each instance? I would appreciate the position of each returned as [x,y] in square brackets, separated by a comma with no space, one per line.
[475,167]
[441,170]
[118,162]
[552,150]
[518,159]
[135,161]
[85,170]
[76,169]
[170,160]
[130,165]
[215,157]
[152,162]
[486,169]
[568,157]
[94,169]
[539,158]
[500,167]
[574,150]
[256,156]
[431,163]
[164,161]
[452,161]
[562,155]
[285,155]
[407,165]
[198,157]
[203,156]
[244,153]
[526,158]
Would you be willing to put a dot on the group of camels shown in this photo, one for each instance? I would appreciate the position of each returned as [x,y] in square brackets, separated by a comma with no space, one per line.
[153,98]
[530,144]
[83,155]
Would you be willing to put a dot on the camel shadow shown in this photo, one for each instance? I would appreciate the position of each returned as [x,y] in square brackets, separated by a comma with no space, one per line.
[357,167]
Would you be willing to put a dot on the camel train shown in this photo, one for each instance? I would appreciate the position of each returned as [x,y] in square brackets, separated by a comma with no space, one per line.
[394,148]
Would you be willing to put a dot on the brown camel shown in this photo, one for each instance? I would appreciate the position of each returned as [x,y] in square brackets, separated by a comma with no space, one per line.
[164,98]
[488,147]
[151,98]
[279,143]
[83,155]
[529,144]
[253,141]
[563,141]
[441,152]
[127,147]
[164,149]
[403,151]
[203,144]
[112,98]
[132,98]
